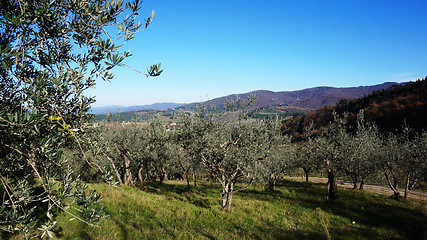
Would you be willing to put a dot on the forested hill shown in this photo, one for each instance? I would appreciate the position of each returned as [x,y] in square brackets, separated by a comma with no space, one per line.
[389,108]
[310,98]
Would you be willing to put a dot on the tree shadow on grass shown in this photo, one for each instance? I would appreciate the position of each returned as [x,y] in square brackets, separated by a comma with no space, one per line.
[285,189]
[369,211]
[372,210]
[280,233]
[379,211]
[202,196]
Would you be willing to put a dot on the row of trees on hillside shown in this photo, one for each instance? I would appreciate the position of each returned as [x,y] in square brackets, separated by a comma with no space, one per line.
[362,153]
[227,147]
[230,148]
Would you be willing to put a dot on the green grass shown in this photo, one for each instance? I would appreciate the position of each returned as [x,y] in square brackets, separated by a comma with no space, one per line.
[296,210]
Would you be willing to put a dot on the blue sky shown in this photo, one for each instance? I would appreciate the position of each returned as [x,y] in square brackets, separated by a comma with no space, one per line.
[211,49]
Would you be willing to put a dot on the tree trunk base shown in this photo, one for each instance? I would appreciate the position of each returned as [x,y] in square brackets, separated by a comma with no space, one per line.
[332,186]
[396,196]
[226,201]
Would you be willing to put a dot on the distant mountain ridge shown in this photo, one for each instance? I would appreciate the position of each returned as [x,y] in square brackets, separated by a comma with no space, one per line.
[304,100]
[121,109]
[310,98]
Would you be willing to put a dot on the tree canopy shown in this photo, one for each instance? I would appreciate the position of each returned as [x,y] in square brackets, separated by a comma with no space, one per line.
[50,53]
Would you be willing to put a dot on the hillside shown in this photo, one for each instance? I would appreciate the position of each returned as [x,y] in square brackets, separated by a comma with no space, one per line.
[296,210]
[389,108]
[122,109]
[310,98]
[267,103]
[137,116]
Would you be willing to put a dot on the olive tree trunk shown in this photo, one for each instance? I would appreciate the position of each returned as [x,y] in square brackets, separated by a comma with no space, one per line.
[407,186]
[393,186]
[271,185]
[332,185]
[186,173]
[113,166]
[226,200]
[228,192]
[141,180]
[128,173]
[306,172]
[194,178]
[362,183]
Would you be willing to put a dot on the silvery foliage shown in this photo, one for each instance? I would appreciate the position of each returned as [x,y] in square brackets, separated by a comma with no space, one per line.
[403,160]
[421,156]
[134,152]
[308,153]
[363,151]
[234,148]
[50,53]
[276,152]
[190,139]
[229,154]
[333,143]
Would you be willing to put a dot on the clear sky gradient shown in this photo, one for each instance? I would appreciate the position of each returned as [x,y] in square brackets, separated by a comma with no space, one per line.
[211,49]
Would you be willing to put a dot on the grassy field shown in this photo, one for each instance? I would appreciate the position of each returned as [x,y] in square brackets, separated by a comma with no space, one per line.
[296,210]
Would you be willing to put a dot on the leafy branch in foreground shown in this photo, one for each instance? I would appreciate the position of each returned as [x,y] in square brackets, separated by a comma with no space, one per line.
[50,53]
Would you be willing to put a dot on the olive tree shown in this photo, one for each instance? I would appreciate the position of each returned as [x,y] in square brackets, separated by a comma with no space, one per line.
[275,152]
[229,147]
[391,162]
[50,53]
[404,160]
[136,152]
[160,149]
[121,146]
[307,153]
[334,149]
[354,151]
[363,155]
[420,158]
[414,158]
[190,139]
[229,156]
[223,144]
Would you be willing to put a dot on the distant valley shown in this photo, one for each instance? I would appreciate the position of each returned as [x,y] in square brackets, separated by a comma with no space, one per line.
[267,103]
[122,109]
